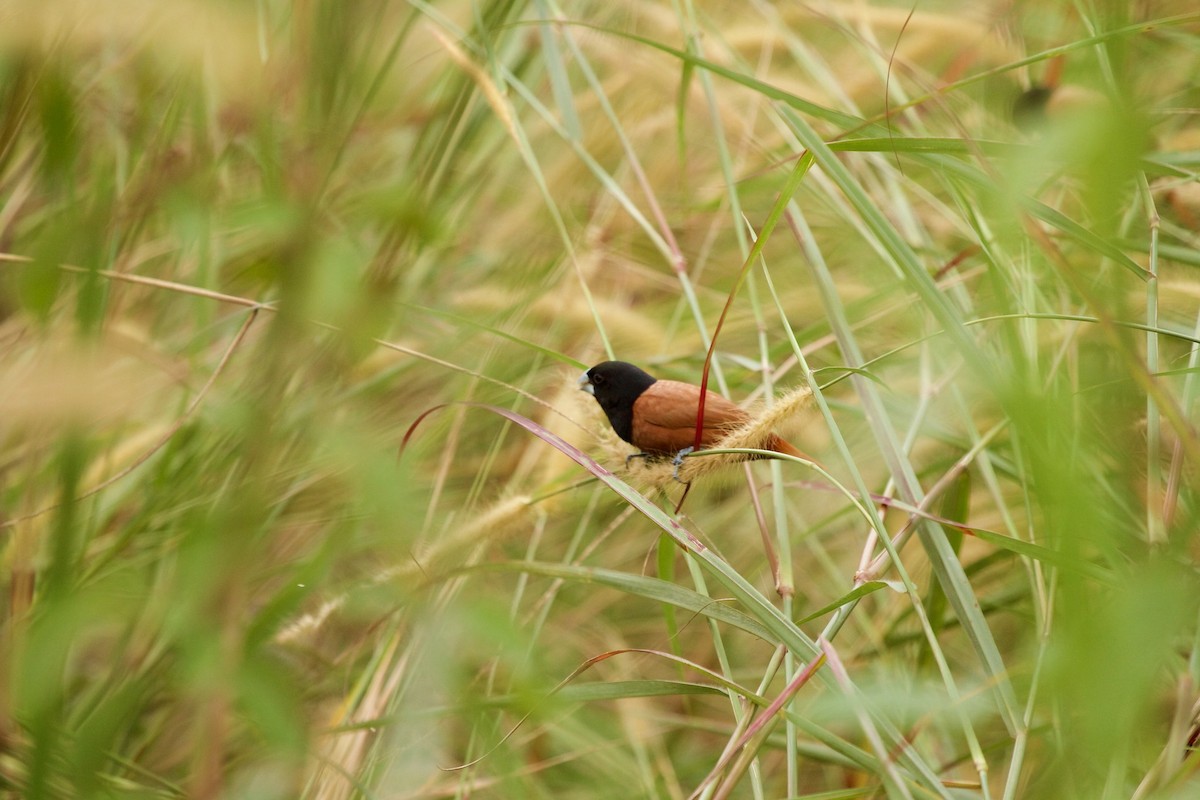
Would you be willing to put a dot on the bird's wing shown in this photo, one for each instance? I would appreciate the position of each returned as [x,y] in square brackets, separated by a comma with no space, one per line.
[664,418]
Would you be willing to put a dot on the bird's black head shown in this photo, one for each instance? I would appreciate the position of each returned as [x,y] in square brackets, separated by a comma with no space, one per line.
[616,385]
[1030,109]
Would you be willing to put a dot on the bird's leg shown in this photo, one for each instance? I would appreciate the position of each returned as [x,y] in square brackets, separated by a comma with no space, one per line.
[632,456]
[678,462]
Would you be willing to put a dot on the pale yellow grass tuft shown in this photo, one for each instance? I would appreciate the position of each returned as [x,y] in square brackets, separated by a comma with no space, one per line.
[458,547]
[752,434]
[661,472]
[59,382]
[220,38]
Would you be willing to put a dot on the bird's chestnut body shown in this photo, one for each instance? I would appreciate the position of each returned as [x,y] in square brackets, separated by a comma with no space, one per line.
[659,416]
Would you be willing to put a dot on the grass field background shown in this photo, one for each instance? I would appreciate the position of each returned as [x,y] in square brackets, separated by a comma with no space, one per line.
[299,498]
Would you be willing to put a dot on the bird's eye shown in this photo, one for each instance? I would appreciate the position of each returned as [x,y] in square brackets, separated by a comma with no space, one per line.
[597,380]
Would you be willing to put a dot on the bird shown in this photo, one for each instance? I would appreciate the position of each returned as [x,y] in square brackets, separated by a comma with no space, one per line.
[658,417]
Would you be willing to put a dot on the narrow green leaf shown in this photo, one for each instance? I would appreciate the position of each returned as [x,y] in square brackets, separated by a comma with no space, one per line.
[859,592]
[672,594]
[620,690]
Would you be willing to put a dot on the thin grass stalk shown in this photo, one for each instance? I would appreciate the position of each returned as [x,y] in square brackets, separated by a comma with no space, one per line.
[785,578]
[945,562]
[807,241]
[1155,530]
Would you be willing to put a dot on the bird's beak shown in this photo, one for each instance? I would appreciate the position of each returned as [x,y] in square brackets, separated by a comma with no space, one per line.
[585,385]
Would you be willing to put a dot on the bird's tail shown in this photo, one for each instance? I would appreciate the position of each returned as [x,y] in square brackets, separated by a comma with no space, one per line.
[780,445]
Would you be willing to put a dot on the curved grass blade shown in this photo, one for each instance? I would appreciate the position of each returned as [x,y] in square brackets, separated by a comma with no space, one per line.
[642,586]
[754,602]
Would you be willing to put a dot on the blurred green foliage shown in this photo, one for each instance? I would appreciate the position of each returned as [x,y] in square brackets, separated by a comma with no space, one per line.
[245,247]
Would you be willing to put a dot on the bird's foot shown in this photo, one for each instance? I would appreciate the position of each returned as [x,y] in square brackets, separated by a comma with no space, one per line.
[632,456]
[677,461]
